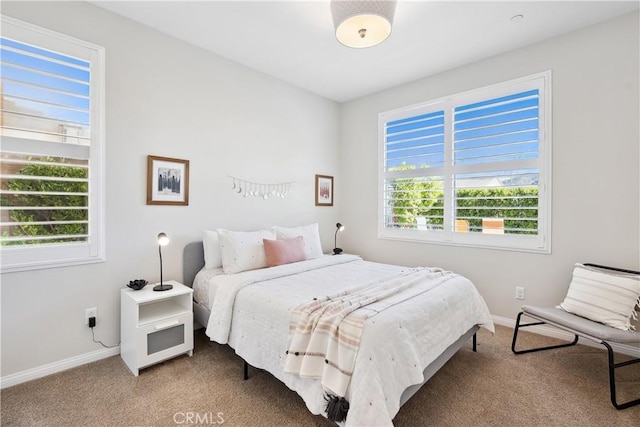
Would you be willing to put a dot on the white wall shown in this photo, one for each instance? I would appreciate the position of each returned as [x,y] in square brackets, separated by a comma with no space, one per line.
[167,98]
[595,165]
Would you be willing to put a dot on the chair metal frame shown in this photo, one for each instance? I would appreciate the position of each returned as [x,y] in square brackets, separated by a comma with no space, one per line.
[612,364]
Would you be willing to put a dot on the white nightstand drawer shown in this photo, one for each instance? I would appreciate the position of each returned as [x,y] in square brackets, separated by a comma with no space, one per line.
[164,339]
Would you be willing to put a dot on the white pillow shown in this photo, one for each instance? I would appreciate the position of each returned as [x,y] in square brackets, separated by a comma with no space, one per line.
[604,296]
[211,244]
[310,235]
[243,250]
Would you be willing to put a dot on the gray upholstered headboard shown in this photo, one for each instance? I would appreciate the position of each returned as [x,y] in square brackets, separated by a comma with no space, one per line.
[192,262]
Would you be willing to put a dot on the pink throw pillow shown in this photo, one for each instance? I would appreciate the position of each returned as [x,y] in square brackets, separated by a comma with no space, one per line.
[284,251]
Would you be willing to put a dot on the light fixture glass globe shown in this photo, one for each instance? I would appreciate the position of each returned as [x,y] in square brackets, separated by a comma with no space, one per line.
[362,31]
[362,23]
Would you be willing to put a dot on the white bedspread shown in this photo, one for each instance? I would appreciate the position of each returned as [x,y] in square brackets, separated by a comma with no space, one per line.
[251,311]
[203,288]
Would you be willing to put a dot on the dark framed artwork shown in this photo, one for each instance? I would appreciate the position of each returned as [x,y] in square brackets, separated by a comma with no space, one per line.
[167,181]
[324,190]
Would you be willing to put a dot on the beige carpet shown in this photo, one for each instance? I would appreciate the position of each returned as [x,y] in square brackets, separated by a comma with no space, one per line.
[493,387]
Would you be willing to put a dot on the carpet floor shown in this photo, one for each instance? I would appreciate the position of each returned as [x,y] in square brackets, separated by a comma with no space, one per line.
[493,387]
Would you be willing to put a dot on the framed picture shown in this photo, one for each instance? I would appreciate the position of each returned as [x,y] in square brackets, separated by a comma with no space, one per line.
[167,181]
[324,190]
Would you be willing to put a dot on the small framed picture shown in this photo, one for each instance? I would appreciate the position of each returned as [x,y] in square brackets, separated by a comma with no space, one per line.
[324,190]
[167,181]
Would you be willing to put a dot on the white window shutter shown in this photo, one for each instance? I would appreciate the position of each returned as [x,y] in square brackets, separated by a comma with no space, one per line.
[471,168]
[51,128]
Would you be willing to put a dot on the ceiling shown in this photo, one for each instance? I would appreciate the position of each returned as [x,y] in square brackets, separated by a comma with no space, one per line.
[294,40]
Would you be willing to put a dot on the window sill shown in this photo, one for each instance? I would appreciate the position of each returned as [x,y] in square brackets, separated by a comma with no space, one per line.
[501,243]
[17,268]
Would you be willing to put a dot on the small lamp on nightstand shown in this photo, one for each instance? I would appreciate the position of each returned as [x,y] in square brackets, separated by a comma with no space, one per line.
[163,240]
[336,249]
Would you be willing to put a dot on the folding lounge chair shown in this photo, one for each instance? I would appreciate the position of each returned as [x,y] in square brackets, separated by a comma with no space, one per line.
[582,327]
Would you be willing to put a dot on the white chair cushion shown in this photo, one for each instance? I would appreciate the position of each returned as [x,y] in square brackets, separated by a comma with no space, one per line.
[580,325]
[604,296]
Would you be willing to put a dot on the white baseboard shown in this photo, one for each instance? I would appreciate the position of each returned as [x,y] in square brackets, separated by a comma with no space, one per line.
[52,368]
[550,331]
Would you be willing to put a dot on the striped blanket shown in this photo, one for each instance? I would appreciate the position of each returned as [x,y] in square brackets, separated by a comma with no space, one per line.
[324,334]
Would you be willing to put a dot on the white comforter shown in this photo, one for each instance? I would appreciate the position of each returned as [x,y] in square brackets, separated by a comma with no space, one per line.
[251,311]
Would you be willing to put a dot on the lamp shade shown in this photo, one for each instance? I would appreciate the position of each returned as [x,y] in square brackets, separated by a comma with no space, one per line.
[361,24]
[163,239]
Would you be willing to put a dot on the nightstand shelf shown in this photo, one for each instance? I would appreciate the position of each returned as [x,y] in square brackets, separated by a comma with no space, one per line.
[154,312]
[155,326]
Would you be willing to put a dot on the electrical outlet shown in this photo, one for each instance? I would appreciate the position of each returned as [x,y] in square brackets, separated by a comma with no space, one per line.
[90,312]
[519,292]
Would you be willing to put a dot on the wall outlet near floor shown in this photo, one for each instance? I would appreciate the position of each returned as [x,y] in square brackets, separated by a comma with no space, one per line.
[90,312]
[519,292]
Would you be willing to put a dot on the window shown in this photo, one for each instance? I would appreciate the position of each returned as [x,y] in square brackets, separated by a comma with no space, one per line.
[470,169]
[51,179]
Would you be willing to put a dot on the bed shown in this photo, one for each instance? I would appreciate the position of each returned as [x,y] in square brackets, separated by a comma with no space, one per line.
[412,337]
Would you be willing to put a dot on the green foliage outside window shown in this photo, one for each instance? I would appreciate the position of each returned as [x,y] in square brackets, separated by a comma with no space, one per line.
[517,205]
[411,198]
[33,217]
[414,197]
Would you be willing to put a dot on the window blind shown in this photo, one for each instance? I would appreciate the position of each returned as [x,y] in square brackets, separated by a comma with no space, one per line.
[51,168]
[414,148]
[493,134]
[471,168]
[45,97]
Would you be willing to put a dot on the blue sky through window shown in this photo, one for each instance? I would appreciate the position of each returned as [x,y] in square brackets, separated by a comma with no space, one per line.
[49,85]
[43,52]
[416,141]
[498,129]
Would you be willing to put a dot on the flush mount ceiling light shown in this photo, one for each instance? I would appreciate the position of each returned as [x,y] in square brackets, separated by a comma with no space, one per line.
[362,23]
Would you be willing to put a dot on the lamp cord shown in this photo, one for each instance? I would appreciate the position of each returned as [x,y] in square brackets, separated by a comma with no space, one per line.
[100,342]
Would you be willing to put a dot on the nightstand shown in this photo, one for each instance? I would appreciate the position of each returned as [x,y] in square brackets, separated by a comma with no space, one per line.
[155,326]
